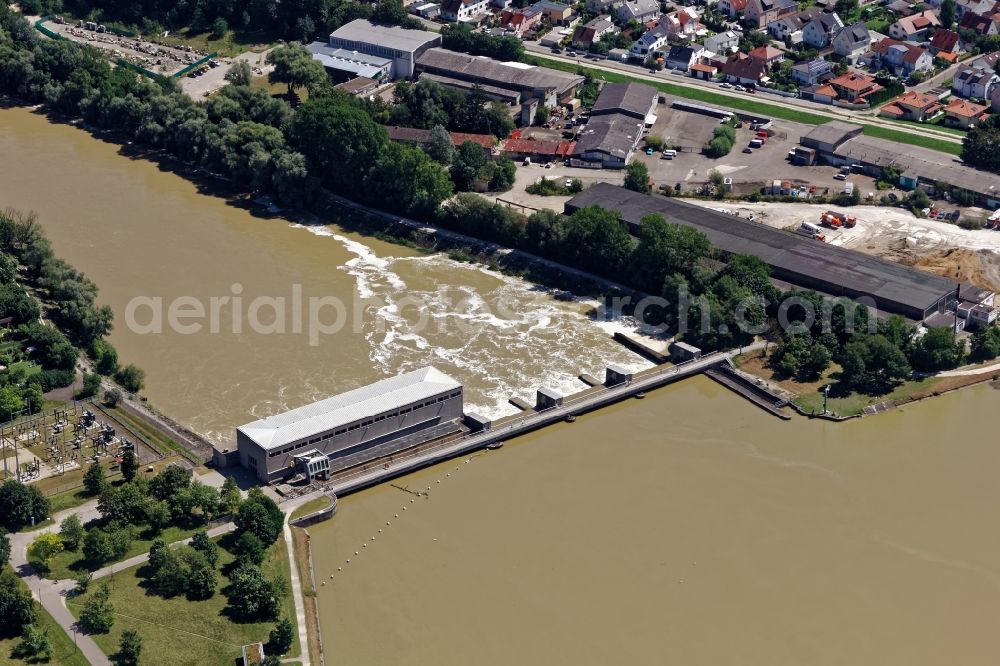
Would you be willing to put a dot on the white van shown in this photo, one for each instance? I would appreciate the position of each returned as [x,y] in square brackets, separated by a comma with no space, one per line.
[668,154]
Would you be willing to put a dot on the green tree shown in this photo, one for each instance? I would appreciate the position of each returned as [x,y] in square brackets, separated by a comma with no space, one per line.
[541,115]
[946,14]
[97,547]
[240,73]
[129,465]
[201,576]
[261,516]
[171,480]
[170,577]
[295,66]
[21,505]
[936,350]
[407,180]
[248,549]
[112,397]
[596,240]
[341,141]
[230,497]
[440,146]
[985,344]
[252,596]
[637,177]
[125,504]
[158,515]
[280,639]
[204,545]
[97,615]
[4,547]
[71,532]
[871,364]
[17,608]
[468,165]
[34,646]
[981,146]
[91,385]
[219,28]
[132,378]
[11,402]
[129,648]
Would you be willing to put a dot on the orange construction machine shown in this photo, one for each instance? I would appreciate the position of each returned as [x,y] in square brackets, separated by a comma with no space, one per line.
[835,220]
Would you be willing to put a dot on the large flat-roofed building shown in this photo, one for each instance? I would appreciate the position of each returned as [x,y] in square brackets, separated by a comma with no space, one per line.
[381,52]
[800,261]
[353,427]
[628,99]
[838,144]
[513,82]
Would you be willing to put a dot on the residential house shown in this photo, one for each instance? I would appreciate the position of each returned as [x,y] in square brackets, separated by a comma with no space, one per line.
[732,8]
[464,11]
[557,13]
[427,10]
[914,28]
[790,27]
[602,6]
[520,21]
[976,82]
[724,42]
[821,93]
[682,57]
[995,99]
[979,24]
[501,4]
[987,61]
[702,71]
[591,32]
[854,86]
[980,7]
[637,10]
[811,72]
[745,69]
[760,13]
[912,105]
[770,55]
[852,41]
[649,42]
[901,58]
[946,44]
[964,114]
[901,8]
[819,32]
[682,25]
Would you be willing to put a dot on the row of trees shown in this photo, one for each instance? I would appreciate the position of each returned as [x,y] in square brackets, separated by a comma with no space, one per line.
[981,146]
[425,104]
[295,19]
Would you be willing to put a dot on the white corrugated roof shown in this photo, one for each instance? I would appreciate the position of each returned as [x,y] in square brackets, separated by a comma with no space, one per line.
[380,397]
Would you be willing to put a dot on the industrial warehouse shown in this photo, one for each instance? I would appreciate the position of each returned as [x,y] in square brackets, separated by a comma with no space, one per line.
[801,261]
[377,420]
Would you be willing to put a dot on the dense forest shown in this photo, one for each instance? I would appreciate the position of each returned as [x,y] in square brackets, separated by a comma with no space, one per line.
[261,19]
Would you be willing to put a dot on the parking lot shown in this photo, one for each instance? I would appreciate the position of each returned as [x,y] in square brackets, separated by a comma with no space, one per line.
[749,171]
[157,58]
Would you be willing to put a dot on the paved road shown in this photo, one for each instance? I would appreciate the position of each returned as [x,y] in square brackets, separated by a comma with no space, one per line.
[826,110]
[296,582]
[52,594]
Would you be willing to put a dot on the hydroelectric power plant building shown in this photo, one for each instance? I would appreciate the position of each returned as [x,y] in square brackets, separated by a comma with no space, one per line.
[351,428]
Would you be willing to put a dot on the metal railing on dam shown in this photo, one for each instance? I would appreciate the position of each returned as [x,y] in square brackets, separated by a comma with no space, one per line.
[408,461]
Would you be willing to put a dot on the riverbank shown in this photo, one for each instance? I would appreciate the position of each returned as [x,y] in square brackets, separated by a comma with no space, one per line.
[808,397]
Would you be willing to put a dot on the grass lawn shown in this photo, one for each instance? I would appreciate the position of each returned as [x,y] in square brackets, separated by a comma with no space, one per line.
[809,395]
[179,632]
[312,506]
[941,145]
[64,653]
[753,106]
[69,563]
[159,438]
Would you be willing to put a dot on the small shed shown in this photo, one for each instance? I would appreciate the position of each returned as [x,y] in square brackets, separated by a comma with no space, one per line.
[615,375]
[682,351]
[477,423]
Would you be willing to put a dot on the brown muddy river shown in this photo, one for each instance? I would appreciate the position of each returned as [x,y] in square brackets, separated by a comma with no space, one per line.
[688,528]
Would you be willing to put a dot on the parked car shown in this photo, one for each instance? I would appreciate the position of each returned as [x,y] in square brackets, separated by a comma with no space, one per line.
[649,151]
[748,149]
[840,176]
[726,85]
[556,49]
[739,88]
